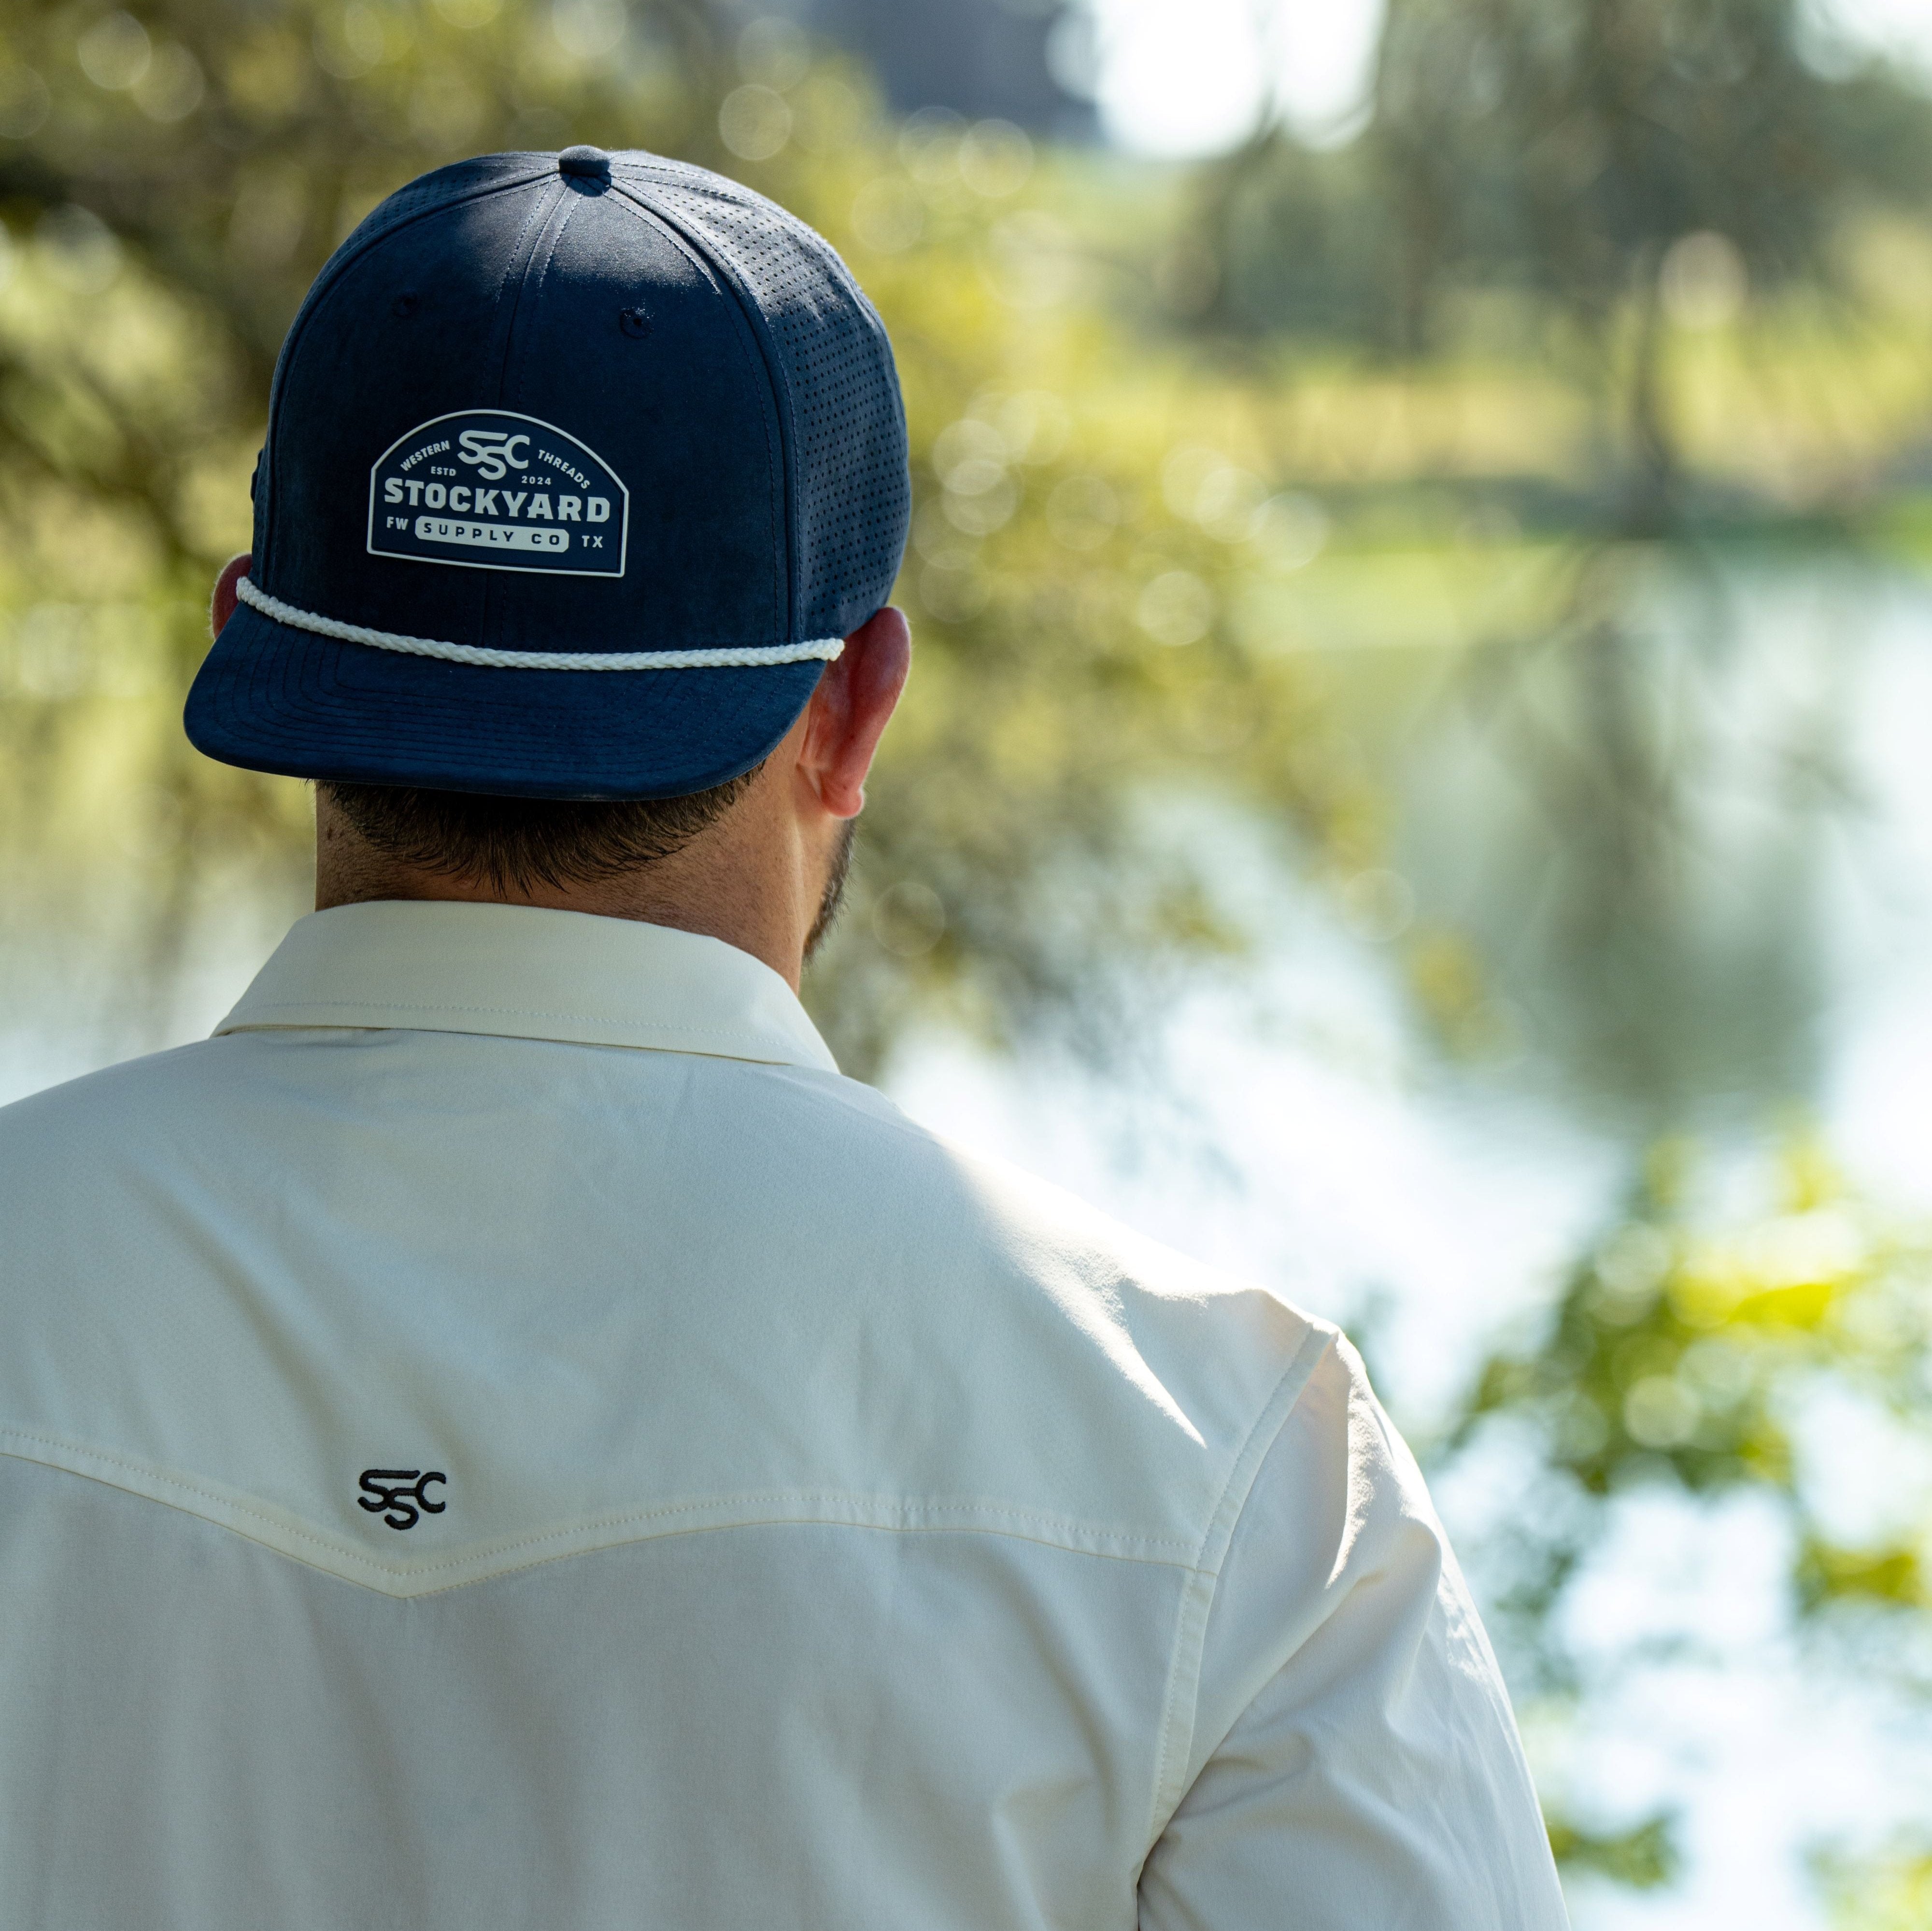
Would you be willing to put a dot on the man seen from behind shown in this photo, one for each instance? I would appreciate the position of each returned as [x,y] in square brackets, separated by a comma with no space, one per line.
[503,1437]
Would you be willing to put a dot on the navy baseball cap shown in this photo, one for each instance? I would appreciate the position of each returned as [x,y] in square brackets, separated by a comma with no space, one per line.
[579,467]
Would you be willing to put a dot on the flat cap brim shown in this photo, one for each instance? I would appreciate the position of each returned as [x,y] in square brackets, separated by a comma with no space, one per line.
[270,697]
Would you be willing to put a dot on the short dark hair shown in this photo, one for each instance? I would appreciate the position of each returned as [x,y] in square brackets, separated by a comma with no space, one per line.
[519,844]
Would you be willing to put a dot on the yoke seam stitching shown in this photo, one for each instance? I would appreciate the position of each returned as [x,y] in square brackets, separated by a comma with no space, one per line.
[1129,1549]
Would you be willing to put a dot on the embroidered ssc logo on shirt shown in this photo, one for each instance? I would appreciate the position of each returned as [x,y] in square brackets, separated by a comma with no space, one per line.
[486,489]
[399,1495]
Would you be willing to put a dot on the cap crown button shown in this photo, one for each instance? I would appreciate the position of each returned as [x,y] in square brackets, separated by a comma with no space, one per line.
[593,163]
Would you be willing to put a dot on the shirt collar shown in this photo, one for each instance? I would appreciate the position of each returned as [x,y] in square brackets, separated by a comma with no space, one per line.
[521,973]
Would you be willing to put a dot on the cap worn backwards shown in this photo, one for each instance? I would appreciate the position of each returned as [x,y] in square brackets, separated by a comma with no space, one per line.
[578,468]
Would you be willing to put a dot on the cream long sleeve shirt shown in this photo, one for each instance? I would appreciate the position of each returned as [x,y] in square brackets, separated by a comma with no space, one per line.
[503,1435]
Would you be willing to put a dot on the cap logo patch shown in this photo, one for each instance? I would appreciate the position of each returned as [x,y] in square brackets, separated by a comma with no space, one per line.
[487,489]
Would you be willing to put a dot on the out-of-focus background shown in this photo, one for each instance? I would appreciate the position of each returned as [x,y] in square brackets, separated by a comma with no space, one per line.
[1418,781]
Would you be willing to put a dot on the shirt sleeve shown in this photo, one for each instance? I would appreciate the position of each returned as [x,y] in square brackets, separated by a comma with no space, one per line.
[1354,1761]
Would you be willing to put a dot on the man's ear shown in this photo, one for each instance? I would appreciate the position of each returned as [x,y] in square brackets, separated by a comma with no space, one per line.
[223,606]
[850,710]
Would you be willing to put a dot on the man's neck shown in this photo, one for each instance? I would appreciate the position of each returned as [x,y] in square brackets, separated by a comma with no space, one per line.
[728,883]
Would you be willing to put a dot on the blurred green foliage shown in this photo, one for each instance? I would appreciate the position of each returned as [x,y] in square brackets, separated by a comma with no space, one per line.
[1643,1859]
[1618,159]
[1691,1359]
[1894,1894]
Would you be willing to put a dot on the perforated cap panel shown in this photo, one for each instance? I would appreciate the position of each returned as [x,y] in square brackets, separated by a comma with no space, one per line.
[838,388]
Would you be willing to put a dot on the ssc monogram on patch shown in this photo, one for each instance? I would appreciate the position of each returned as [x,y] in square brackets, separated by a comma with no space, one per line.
[486,489]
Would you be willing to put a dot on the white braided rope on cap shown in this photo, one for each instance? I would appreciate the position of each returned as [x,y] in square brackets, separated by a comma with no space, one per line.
[725,656]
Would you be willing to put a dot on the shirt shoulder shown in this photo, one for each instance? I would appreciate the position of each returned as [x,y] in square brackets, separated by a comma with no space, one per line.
[1343,1669]
[1205,1351]
[60,1145]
